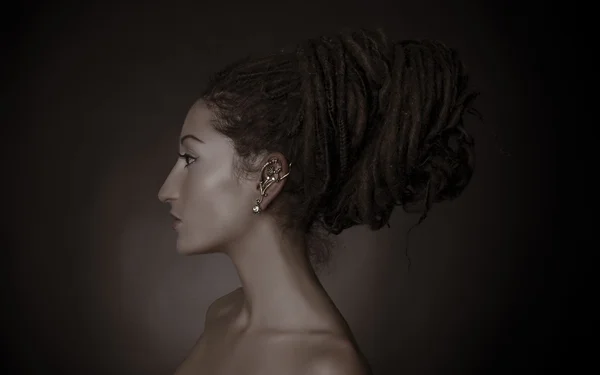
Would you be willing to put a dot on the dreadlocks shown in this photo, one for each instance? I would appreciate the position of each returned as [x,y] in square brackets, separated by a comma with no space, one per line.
[368,124]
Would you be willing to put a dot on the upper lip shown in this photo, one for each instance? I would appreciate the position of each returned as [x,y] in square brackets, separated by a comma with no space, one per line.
[175,216]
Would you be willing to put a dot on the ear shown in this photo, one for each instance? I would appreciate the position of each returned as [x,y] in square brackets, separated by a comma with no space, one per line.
[272,178]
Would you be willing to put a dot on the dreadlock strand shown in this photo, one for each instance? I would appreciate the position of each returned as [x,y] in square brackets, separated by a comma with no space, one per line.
[400,62]
[323,158]
[341,103]
[413,92]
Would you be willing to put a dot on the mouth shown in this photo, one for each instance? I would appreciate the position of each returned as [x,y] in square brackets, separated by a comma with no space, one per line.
[176,221]
[176,224]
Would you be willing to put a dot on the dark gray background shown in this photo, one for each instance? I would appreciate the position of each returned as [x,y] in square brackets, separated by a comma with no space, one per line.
[95,96]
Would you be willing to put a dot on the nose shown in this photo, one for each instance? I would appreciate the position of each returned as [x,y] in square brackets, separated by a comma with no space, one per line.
[163,194]
[169,191]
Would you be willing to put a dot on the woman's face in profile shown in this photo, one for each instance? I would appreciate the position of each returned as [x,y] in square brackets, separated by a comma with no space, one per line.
[214,205]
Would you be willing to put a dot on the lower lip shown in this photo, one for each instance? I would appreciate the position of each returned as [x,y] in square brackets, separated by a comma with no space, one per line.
[176,224]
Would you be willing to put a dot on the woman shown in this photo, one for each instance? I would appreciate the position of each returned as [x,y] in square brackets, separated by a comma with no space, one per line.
[281,148]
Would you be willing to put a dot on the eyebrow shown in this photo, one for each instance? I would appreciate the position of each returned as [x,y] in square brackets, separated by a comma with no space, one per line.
[190,136]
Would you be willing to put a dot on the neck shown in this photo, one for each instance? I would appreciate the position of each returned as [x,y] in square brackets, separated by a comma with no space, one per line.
[280,288]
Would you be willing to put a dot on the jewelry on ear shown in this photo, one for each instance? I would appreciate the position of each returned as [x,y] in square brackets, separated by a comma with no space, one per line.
[269,175]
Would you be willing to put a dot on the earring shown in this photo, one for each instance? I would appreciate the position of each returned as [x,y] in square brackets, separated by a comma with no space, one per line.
[272,169]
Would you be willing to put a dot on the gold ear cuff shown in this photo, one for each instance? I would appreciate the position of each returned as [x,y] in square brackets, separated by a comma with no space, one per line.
[269,175]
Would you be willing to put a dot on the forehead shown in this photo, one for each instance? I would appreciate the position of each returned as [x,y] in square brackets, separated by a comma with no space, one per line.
[198,119]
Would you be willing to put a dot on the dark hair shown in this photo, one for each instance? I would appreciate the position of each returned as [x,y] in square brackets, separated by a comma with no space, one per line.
[368,124]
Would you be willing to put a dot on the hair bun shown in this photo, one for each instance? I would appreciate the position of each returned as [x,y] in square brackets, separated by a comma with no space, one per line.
[387,122]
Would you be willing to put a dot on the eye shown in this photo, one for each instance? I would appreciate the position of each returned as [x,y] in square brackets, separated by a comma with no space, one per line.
[189,159]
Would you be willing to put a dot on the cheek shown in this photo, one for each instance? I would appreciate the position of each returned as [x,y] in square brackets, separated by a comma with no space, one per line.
[216,208]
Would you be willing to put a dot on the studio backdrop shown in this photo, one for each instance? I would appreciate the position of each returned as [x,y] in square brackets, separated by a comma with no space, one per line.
[98,96]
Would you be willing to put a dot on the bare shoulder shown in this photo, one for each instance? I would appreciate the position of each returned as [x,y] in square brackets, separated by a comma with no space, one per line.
[337,357]
[222,305]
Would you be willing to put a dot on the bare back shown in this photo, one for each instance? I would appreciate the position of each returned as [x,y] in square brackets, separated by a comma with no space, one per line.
[222,351]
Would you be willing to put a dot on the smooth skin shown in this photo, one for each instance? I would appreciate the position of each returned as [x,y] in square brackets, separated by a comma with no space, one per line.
[281,321]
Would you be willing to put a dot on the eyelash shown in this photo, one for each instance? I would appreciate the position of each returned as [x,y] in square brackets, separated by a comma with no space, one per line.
[187,157]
